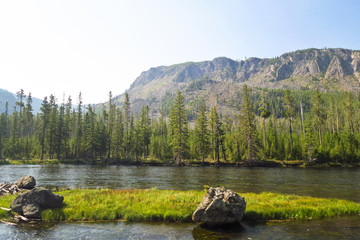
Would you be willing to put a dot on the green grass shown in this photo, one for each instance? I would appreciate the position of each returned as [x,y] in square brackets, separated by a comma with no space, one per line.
[5,202]
[132,205]
[274,206]
[178,206]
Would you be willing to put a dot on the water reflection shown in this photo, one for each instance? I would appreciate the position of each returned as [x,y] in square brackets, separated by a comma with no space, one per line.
[226,232]
[338,228]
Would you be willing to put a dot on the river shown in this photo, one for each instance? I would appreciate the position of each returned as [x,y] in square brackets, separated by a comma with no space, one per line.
[331,182]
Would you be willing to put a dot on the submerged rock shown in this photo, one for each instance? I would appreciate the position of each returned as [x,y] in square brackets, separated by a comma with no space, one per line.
[27,182]
[32,203]
[219,207]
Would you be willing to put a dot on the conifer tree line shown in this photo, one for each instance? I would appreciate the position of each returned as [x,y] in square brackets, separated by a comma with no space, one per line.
[311,126]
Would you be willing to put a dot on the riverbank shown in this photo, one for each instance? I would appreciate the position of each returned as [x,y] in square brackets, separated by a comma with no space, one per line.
[177,206]
[194,163]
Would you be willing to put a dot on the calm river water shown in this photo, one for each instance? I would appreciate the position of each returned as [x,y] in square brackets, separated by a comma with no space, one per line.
[340,183]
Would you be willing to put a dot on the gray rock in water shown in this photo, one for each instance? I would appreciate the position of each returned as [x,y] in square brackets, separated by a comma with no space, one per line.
[30,204]
[27,182]
[219,207]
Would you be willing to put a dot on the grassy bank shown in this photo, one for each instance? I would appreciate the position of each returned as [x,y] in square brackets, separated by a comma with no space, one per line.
[39,162]
[171,205]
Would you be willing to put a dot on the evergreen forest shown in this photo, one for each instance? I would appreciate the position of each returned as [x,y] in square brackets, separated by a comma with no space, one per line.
[312,127]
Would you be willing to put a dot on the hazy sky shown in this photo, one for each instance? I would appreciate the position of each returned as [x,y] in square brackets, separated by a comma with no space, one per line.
[64,47]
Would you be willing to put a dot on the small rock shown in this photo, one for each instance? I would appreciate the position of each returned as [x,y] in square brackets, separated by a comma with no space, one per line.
[219,207]
[27,182]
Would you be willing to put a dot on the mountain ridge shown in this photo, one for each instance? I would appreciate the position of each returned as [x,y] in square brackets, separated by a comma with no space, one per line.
[333,69]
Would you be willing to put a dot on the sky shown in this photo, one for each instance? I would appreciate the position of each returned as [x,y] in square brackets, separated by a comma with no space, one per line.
[93,47]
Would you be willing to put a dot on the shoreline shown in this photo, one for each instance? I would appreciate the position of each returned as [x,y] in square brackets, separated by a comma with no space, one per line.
[186,163]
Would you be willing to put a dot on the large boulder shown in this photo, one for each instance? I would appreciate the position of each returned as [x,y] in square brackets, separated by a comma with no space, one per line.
[219,207]
[33,202]
[27,182]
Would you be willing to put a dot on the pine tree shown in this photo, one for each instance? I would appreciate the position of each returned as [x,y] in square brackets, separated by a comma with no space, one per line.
[126,108]
[248,127]
[3,132]
[273,140]
[289,112]
[60,132]
[118,136]
[145,125]
[202,135]
[131,137]
[20,96]
[138,143]
[264,113]
[45,114]
[79,131]
[28,116]
[349,111]
[111,122]
[67,127]
[159,141]
[237,135]
[214,133]
[14,134]
[310,145]
[217,135]
[89,133]
[179,128]
[302,118]
[101,136]
[332,114]
[28,122]
[53,126]
[319,114]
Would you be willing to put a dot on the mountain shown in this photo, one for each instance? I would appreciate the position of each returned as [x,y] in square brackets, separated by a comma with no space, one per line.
[218,82]
[6,96]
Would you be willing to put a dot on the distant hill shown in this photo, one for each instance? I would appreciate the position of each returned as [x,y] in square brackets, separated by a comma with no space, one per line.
[218,82]
[9,97]
[6,96]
